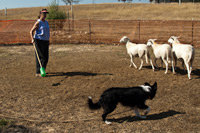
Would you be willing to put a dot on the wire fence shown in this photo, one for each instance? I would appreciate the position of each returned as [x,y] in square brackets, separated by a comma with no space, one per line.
[103,31]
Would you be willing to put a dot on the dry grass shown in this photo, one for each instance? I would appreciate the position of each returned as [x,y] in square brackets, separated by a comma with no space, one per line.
[185,11]
[58,102]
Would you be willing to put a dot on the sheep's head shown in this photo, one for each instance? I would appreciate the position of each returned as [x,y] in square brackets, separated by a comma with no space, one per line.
[151,42]
[124,39]
[172,39]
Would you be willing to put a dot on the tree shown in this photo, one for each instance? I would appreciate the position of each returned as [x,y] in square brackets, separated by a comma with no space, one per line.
[70,2]
[125,0]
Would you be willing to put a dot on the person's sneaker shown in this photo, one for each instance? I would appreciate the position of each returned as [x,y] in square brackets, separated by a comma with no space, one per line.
[38,75]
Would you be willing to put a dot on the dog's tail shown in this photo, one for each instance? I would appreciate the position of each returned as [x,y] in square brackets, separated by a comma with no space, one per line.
[93,105]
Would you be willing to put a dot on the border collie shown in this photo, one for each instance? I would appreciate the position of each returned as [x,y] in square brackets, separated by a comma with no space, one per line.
[133,97]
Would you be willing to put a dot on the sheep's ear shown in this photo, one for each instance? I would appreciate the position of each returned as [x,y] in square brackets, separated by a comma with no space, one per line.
[178,37]
[154,39]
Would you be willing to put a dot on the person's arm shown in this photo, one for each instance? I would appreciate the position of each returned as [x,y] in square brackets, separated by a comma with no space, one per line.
[36,25]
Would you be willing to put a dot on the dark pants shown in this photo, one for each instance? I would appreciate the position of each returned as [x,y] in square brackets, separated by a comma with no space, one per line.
[43,52]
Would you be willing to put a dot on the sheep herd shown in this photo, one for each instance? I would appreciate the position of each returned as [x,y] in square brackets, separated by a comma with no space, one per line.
[167,53]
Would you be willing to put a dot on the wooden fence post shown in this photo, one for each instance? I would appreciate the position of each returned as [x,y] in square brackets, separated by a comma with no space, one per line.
[192,31]
[72,21]
[90,30]
[89,27]
[6,11]
[68,20]
[139,29]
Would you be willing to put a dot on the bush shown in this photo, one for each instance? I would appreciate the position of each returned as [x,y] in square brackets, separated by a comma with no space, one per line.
[56,15]
[54,12]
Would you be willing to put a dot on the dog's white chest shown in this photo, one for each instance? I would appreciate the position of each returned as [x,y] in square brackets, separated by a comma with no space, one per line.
[145,88]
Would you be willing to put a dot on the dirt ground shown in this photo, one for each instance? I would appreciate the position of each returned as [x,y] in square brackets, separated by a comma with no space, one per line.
[58,103]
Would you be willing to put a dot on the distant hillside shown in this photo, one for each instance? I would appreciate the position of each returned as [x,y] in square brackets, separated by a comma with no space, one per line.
[185,11]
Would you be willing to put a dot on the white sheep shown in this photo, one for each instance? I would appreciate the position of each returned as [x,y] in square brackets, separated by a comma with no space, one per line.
[136,49]
[182,51]
[162,51]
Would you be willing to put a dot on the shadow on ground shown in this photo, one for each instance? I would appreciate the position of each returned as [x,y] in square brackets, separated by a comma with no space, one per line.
[71,74]
[178,70]
[196,72]
[149,117]
[184,71]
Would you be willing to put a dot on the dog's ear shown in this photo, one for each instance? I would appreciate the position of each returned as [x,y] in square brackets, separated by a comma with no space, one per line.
[147,84]
[155,86]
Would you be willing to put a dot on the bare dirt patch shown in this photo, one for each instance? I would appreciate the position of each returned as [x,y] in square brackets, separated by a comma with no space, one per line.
[58,102]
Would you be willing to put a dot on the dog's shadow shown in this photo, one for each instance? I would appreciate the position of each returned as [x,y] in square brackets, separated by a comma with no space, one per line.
[149,117]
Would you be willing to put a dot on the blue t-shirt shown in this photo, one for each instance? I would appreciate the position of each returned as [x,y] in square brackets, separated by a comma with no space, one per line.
[43,32]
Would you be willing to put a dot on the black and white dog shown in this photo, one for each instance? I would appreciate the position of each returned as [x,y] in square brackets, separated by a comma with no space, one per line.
[133,97]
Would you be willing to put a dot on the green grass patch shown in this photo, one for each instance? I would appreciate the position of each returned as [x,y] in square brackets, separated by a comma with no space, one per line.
[4,124]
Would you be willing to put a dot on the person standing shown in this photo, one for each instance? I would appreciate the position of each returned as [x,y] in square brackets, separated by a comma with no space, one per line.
[41,40]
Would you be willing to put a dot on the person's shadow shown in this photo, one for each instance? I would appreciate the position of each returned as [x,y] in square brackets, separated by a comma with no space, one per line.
[71,74]
[149,117]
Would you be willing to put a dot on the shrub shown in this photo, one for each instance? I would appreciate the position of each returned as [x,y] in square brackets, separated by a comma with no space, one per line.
[54,12]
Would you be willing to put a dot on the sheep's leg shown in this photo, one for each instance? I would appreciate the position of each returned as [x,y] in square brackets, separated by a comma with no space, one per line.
[168,61]
[155,62]
[183,65]
[191,62]
[175,60]
[146,57]
[166,64]
[151,64]
[188,69]
[132,63]
[141,64]
[131,60]
[161,67]
[173,67]
[172,58]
